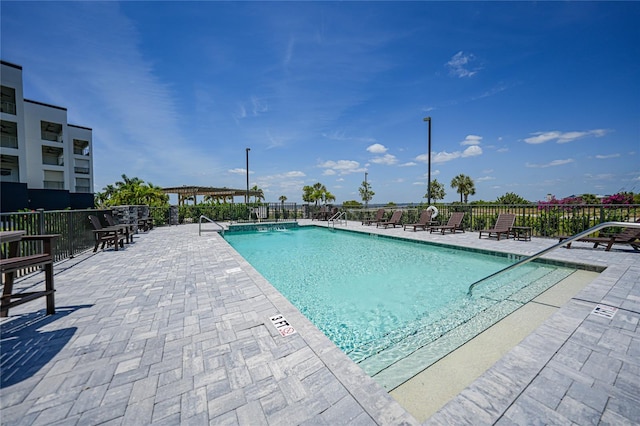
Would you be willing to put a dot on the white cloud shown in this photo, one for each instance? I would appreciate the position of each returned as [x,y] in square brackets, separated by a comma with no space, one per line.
[443,156]
[342,167]
[472,151]
[409,164]
[458,65]
[471,140]
[563,137]
[377,148]
[485,179]
[551,164]
[387,159]
[602,157]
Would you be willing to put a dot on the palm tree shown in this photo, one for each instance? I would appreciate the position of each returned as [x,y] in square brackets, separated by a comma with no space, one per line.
[260,195]
[319,191]
[437,191]
[464,185]
[307,194]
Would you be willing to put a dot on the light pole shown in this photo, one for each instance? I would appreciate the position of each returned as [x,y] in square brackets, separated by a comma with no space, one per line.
[428,119]
[366,192]
[247,199]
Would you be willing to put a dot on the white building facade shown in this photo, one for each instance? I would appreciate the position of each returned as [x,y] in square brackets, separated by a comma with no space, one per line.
[45,161]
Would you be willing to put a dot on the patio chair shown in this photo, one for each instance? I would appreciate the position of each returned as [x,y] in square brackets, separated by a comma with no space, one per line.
[395,220]
[106,235]
[454,224]
[630,236]
[127,229]
[321,214]
[423,222]
[503,225]
[376,219]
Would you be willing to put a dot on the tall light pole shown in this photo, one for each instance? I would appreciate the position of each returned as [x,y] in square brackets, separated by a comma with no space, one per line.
[247,199]
[428,119]
[366,192]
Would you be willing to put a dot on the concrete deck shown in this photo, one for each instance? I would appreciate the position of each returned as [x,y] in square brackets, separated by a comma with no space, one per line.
[175,329]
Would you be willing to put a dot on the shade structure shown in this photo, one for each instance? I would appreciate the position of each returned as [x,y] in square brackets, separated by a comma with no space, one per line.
[224,194]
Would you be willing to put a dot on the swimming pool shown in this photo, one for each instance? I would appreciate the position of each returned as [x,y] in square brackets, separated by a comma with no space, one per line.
[381,299]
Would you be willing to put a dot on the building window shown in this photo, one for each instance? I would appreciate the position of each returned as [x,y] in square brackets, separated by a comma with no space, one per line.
[9,135]
[9,170]
[8,105]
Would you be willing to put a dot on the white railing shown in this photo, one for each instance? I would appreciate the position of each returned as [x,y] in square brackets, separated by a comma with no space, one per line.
[340,217]
[562,243]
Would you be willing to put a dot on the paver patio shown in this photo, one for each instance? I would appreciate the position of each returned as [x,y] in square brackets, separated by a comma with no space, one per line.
[175,329]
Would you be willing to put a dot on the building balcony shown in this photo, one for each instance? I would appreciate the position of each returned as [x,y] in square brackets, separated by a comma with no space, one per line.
[9,141]
[8,107]
[81,170]
[86,189]
[52,184]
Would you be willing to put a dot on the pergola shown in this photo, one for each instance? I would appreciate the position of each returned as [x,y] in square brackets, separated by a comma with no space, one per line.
[186,192]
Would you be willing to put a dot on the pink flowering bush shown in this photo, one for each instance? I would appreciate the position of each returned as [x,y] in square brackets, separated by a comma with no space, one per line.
[620,198]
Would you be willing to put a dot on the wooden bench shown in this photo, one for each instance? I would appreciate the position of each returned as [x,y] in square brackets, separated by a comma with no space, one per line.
[14,263]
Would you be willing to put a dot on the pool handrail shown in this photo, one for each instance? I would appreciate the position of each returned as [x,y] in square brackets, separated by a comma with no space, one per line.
[338,217]
[211,221]
[562,243]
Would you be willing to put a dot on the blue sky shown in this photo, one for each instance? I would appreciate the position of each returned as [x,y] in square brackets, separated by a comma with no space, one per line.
[525,97]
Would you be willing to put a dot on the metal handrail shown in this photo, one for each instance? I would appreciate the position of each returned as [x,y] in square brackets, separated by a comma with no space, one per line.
[337,217]
[564,242]
[208,220]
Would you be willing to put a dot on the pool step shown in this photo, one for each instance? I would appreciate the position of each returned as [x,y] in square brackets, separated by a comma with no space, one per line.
[398,363]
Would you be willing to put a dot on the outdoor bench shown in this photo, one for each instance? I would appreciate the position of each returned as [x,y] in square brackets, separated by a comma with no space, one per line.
[15,262]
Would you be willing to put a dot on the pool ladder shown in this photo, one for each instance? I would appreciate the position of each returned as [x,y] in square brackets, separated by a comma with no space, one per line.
[555,246]
[339,217]
[200,230]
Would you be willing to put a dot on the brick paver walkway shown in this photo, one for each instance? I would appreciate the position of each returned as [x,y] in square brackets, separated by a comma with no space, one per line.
[175,329]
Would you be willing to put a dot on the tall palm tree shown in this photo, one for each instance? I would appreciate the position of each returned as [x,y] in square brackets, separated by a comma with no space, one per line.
[318,192]
[260,195]
[464,185]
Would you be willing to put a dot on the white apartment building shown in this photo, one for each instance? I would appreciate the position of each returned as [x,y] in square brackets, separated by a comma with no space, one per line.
[45,161]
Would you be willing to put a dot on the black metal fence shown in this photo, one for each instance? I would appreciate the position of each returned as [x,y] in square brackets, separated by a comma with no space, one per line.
[76,232]
[73,226]
[548,220]
[230,212]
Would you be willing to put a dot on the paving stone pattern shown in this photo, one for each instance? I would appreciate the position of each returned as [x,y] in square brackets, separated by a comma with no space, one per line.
[175,329]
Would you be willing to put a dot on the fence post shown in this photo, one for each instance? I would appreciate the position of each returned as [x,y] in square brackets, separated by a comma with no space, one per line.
[70,234]
[40,221]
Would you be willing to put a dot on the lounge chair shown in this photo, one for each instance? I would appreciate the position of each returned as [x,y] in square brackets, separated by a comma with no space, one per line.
[454,224]
[377,219]
[630,236]
[503,225]
[395,220]
[321,214]
[423,222]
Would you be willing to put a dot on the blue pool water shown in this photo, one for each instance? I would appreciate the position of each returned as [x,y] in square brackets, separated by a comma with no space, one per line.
[369,293]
